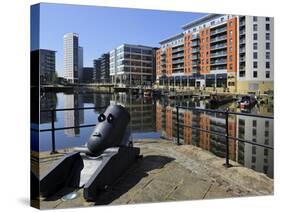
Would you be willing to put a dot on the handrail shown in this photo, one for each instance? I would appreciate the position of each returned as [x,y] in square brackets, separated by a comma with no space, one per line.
[53,128]
[226,135]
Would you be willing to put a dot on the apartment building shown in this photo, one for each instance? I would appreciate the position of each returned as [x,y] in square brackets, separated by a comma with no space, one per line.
[72,58]
[97,71]
[256,54]
[206,55]
[87,76]
[132,65]
[101,69]
[43,61]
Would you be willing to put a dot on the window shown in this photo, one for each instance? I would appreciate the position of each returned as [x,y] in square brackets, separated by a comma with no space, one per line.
[230,58]
[267,74]
[255,36]
[267,55]
[267,36]
[254,131]
[254,150]
[254,123]
[255,27]
[265,152]
[255,75]
[267,27]
[222,18]
[266,141]
[255,46]
[267,46]
[254,140]
[266,124]
[255,64]
[267,19]
[267,64]
[212,23]
[255,18]
[255,55]
[266,133]
[253,159]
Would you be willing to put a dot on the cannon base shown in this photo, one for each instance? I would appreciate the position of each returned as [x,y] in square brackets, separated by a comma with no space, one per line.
[93,173]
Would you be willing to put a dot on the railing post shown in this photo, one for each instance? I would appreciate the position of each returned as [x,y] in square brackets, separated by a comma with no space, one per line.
[53,133]
[226,140]
[178,126]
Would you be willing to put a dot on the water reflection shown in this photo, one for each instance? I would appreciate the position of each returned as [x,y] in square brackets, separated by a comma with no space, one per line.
[73,118]
[258,130]
[151,118]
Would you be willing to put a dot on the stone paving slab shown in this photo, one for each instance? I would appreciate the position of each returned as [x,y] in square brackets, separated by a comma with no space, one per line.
[168,172]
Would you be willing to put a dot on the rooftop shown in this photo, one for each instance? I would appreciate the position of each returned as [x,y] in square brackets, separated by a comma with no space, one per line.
[200,20]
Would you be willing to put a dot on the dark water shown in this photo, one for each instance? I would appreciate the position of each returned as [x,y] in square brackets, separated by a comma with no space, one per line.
[155,118]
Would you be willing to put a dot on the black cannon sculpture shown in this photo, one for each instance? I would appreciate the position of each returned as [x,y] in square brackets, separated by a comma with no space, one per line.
[95,166]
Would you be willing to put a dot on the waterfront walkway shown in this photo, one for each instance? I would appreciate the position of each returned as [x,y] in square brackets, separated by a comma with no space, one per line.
[168,172]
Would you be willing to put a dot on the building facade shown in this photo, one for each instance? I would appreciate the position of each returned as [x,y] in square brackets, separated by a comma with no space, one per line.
[101,69]
[208,55]
[256,54]
[46,66]
[97,71]
[132,65]
[87,76]
[72,58]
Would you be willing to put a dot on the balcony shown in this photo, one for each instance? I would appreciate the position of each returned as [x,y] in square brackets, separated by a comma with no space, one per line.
[218,62]
[218,39]
[177,55]
[219,54]
[178,61]
[195,69]
[194,43]
[218,68]
[242,50]
[242,23]
[195,37]
[242,32]
[194,64]
[195,50]
[218,46]
[176,50]
[194,57]
[217,31]
[242,41]
[176,68]
[242,59]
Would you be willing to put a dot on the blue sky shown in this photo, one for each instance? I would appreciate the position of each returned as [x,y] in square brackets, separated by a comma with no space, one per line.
[101,29]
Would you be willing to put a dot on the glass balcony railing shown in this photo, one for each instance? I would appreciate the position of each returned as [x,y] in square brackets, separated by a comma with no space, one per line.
[177,55]
[218,62]
[220,30]
[242,32]
[218,46]
[177,50]
[219,38]
[178,61]
[194,50]
[219,54]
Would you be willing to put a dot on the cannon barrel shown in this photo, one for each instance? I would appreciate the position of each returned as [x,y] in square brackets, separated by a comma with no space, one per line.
[110,130]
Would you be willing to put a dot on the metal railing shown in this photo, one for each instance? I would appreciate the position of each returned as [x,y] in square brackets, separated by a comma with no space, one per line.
[53,129]
[226,114]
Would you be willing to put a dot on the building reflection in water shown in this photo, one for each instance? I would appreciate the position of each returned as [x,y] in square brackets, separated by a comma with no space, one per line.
[254,129]
[142,111]
[48,101]
[73,117]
